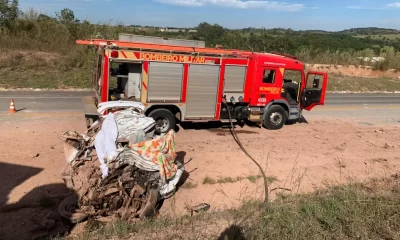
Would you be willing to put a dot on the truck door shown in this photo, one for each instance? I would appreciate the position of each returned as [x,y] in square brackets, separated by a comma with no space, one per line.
[266,85]
[314,92]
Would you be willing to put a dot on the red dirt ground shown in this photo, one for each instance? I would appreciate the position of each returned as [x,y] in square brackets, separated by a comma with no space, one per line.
[301,157]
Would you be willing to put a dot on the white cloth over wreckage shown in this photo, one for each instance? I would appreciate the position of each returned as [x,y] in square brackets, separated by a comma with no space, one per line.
[130,123]
[105,141]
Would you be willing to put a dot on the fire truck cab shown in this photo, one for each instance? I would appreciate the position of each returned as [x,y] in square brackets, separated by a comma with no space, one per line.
[178,83]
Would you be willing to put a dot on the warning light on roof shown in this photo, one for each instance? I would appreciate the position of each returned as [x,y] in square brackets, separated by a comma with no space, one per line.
[114,54]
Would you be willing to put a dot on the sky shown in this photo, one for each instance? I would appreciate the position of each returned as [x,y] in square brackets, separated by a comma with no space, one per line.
[330,15]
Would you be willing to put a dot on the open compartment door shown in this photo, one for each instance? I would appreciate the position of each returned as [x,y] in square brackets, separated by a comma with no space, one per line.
[314,91]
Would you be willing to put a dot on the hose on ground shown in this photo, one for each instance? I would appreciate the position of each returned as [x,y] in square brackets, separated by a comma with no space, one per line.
[237,140]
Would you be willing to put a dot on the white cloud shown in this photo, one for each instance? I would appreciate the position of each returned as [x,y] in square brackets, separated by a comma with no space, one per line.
[394,5]
[364,8]
[195,3]
[387,6]
[255,4]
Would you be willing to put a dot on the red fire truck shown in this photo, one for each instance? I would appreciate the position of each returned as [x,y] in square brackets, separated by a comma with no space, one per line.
[189,83]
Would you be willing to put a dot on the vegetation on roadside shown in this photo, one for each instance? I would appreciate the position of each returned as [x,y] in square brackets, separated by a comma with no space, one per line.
[189,185]
[221,180]
[337,83]
[39,50]
[356,211]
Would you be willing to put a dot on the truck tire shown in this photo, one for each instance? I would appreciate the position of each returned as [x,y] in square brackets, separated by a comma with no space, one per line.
[275,117]
[165,120]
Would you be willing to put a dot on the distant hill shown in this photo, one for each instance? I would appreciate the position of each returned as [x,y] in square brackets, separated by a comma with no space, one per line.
[352,31]
[370,31]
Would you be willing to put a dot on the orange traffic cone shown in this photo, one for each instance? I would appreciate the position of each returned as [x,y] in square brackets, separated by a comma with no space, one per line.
[12,107]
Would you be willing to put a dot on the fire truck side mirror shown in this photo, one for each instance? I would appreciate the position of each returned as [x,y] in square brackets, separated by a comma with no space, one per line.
[316,83]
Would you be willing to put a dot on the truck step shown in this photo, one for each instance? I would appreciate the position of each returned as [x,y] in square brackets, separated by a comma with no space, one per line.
[227,120]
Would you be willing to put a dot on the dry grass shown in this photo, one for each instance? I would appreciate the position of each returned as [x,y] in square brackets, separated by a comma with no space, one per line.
[254,178]
[27,69]
[368,210]
[75,78]
[362,84]
[189,185]
[209,180]
[222,180]
[357,211]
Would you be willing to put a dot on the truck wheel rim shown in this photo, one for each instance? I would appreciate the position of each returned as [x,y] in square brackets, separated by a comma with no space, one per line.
[162,124]
[276,118]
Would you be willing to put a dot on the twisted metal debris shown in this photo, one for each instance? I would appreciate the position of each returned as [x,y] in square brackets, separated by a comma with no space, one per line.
[141,172]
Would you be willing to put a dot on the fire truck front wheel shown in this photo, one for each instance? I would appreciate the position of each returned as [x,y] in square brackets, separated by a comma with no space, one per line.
[275,117]
[165,120]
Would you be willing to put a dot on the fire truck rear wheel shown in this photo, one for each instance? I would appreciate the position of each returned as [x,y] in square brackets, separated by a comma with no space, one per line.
[165,120]
[275,117]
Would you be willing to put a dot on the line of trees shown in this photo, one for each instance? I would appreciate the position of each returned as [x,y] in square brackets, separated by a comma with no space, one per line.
[31,30]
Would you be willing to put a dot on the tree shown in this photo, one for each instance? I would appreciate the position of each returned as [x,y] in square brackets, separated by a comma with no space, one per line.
[233,39]
[8,12]
[66,16]
[44,18]
[212,34]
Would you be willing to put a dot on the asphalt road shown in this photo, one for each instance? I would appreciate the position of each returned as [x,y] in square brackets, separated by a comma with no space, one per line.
[41,101]
[340,99]
[385,107]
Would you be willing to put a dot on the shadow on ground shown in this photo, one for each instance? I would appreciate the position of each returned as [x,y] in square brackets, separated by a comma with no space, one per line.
[302,119]
[233,232]
[36,214]
[201,125]
[223,128]
[12,176]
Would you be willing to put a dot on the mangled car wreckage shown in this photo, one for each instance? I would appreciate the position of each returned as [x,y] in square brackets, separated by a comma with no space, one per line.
[120,167]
